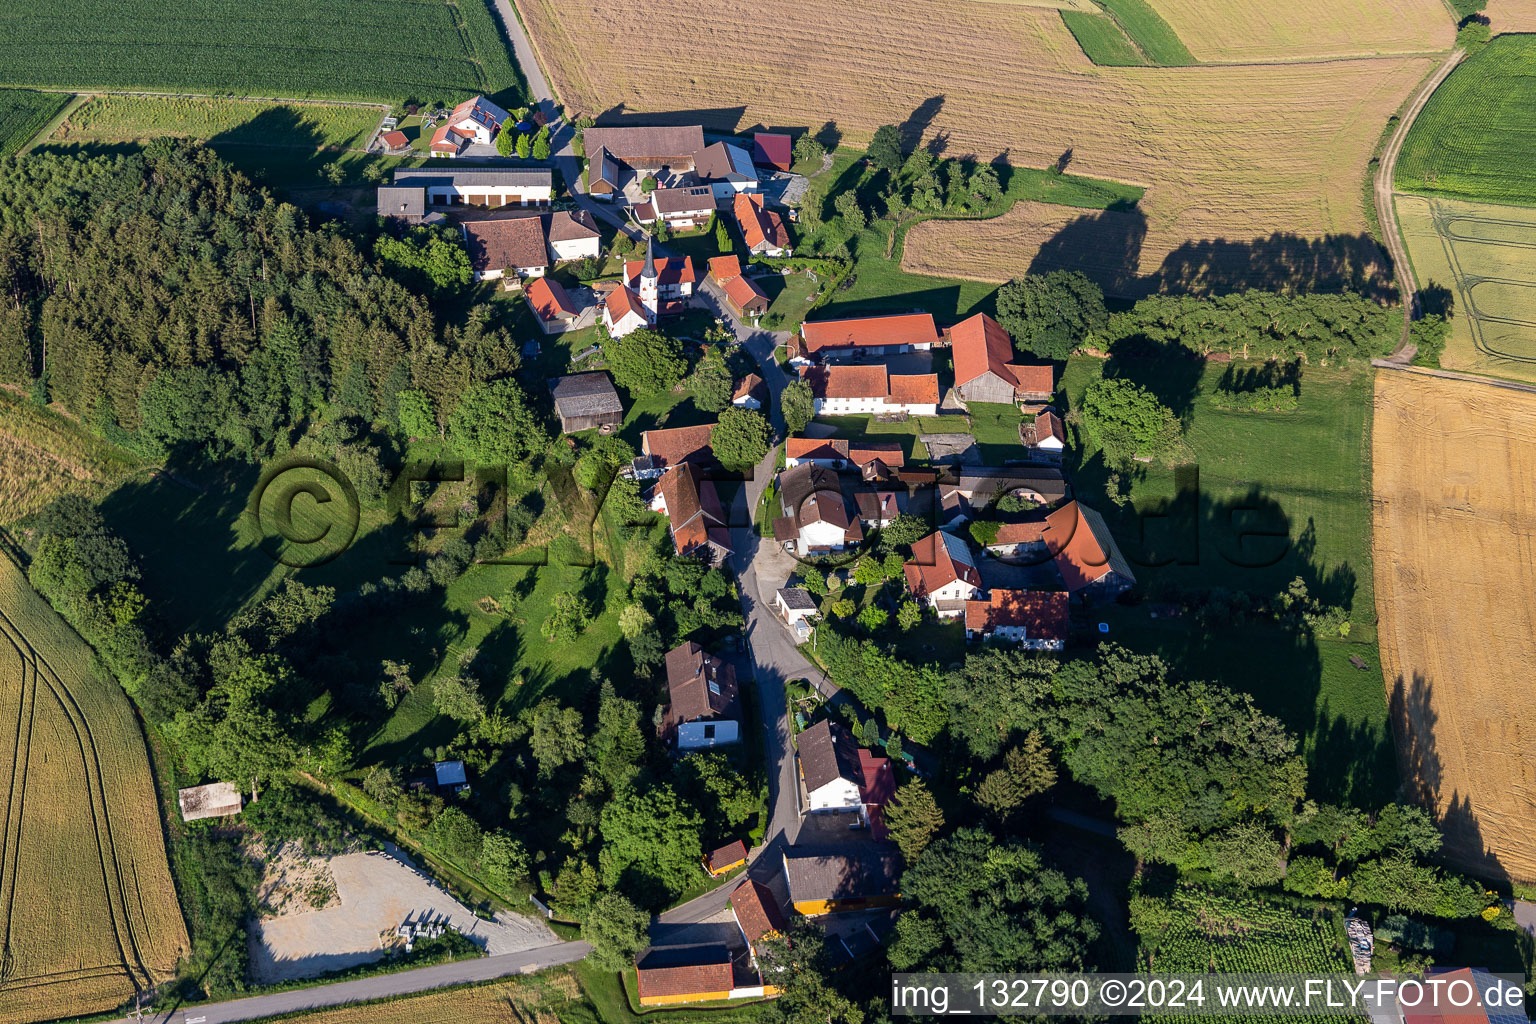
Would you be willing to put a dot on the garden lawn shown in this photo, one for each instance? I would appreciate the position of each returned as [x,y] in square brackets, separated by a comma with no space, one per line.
[1270,497]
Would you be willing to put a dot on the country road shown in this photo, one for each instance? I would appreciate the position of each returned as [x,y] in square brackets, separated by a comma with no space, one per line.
[1383,192]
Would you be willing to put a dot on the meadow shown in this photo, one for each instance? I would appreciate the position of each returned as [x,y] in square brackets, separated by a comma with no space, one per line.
[87,908]
[217,119]
[44,455]
[1454,464]
[1103,40]
[1482,258]
[23,113]
[1231,157]
[1258,30]
[336,48]
[1473,139]
[1266,498]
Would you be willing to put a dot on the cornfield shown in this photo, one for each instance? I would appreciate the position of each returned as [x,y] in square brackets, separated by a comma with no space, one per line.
[23,114]
[87,909]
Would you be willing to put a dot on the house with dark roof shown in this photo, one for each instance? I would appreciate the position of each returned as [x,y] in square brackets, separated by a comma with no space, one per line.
[573,235]
[985,366]
[796,607]
[757,912]
[878,509]
[672,975]
[942,573]
[702,710]
[762,229]
[726,169]
[681,208]
[981,485]
[725,858]
[828,761]
[850,876]
[695,517]
[770,149]
[1086,554]
[503,245]
[871,335]
[480,186]
[815,518]
[450,777]
[404,203]
[585,400]
[1034,619]
[649,147]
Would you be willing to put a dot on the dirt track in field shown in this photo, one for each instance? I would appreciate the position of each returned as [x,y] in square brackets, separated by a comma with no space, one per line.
[1455,555]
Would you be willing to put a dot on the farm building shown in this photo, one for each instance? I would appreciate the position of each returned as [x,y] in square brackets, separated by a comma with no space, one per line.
[506,245]
[215,800]
[394,141]
[841,390]
[480,186]
[407,204]
[757,913]
[725,169]
[702,710]
[1036,619]
[573,235]
[726,858]
[585,400]
[942,572]
[671,975]
[741,292]
[762,229]
[1086,555]
[476,120]
[872,335]
[750,393]
[985,370]
[689,206]
[694,514]
[981,485]
[851,876]
[552,305]
[816,519]
[639,149]
[770,149]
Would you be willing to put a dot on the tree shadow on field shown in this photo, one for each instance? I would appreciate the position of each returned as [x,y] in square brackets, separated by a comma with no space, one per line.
[726,119]
[1436,299]
[911,130]
[1104,245]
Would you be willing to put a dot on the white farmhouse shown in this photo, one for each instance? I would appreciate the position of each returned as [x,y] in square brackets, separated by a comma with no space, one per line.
[829,769]
[942,573]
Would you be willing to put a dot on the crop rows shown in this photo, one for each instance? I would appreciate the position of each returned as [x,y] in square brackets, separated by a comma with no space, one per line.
[129,118]
[379,49]
[1247,935]
[1102,40]
[23,113]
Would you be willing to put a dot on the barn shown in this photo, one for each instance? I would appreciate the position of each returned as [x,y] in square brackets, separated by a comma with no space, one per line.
[586,400]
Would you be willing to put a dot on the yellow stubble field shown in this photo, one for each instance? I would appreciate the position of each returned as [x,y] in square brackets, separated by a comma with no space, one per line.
[1262,30]
[1225,152]
[87,909]
[1454,476]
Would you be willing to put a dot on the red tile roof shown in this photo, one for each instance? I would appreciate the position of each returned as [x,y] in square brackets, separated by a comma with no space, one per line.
[773,149]
[441,143]
[889,452]
[847,381]
[1079,558]
[1021,533]
[669,270]
[744,293]
[723,268]
[694,514]
[750,384]
[877,784]
[757,224]
[622,301]
[931,566]
[728,856]
[980,344]
[395,139]
[1034,379]
[901,329]
[505,243]
[678,444]
[1043,613]
[1047,425]
[549,299]
[685,979]
[757,911]
[915,389]
[815,448]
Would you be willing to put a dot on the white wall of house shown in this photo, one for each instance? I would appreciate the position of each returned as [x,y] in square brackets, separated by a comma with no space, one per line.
[1018,635]
[837,795]
[531,271]
[746,402]
[791,615]
[576,249]
[850,406]
[703,735]
[489,275]
[821,536]
[727,189]
[519,195]
[626,323]
[954,590]
[912,408]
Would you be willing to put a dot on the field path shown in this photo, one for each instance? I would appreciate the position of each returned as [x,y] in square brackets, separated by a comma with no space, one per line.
[1384,192]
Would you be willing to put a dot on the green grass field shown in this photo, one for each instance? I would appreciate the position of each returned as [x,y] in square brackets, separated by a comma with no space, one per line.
[1473,139]
[1270,497]
[23,113]
[340,48]
[1150,32]
[1103,40]
[219,120]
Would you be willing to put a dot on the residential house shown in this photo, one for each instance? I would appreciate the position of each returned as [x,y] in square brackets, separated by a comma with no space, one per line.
[623,312]
[573,235]
[750,393]
[674,446]
[215,800]
[726,169]
[943,573]
[552,305]
[1020,542]
[981,485]
[741,293]
[394,141]
[1086,555]
[673,975]
[850,876]
[985,370]
[761,228]
[585,400]
[610,151]
[694,514]
[702,710]
[450,777]
[796,607]
[682,208]
[726,858]
[506,244]
[878,509]
[1047,436]
[1036,619]
[816,519]
[829,768]
[870,335]
[837,453]
[476,120]
[757,913]
[846,389]
[770,149]
[480,186]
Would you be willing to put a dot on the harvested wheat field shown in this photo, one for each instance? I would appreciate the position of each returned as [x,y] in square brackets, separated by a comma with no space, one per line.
[1512,15]
[534,999]
[1226,152]
[87,909]
[1262,30]
[1455,555]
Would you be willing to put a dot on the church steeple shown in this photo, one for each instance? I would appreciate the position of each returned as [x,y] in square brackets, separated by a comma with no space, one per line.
[649,270]
[650,295]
